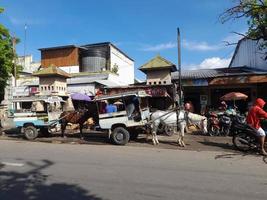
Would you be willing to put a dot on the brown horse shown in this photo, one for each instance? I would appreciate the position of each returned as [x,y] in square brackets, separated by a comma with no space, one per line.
[74,117]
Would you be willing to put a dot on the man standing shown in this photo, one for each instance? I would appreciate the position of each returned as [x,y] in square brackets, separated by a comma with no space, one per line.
[256,112]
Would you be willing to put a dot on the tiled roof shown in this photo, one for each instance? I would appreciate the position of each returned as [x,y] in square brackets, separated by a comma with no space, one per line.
[219,72]
[158,63]
[52,70]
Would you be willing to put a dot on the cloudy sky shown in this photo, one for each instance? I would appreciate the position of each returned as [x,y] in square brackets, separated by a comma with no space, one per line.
[140,28]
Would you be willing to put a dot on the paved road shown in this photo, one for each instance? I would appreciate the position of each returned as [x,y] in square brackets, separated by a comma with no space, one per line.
[63,171]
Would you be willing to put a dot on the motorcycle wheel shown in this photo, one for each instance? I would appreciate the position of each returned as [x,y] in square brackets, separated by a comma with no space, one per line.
[214,131]
[242,141]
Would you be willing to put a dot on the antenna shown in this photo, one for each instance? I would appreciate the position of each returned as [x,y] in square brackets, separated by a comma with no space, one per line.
[25,37]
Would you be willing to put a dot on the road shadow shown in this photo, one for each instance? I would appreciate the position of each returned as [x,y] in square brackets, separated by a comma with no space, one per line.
[225,146]
[33,185]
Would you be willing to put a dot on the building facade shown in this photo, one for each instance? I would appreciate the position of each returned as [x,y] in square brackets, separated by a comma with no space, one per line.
[91,59]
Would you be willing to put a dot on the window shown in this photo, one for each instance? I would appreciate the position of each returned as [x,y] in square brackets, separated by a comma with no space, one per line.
[45,88]
[52,87]
[159,82]
[155,83]
[42,88]
[164,82]
[150,83]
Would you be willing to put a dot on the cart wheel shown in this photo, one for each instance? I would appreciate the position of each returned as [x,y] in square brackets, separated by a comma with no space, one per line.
[30,132]
[120,136]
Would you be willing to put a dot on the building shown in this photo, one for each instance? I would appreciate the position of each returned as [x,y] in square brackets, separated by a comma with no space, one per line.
[249,53]
[158,83]
[25,84]
[52,82]
[247,73]
[158,71]
[91,65]
[27,63]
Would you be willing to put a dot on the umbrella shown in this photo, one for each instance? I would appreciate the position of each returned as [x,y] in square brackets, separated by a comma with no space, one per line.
[80,97]
[234,96]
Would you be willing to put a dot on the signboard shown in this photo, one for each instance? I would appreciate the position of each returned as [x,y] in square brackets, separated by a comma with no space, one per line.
[157,92]
[21,91]
[195,82]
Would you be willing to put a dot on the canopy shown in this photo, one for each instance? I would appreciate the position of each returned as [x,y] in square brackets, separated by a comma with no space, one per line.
[232,96]
[80,97]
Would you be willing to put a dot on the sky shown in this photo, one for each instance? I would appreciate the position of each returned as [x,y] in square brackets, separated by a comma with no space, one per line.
[140,28]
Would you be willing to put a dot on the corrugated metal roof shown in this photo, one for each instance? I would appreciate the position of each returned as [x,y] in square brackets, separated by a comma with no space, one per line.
[249,53]
[107,83]
[219,72]
[86,79]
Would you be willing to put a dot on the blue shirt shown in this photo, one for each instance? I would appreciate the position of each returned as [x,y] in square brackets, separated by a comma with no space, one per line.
[111,108]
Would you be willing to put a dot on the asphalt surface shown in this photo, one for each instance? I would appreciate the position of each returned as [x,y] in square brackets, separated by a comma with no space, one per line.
[37,170]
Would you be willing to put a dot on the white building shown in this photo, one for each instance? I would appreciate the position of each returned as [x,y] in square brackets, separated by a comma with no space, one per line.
[91,65]
[28,64]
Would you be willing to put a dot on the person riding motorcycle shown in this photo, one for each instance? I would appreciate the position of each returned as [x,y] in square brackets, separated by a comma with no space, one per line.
[256,112]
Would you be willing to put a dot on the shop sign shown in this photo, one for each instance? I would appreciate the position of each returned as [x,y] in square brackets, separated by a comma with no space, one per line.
[195,82]
[157,92]
[21,91]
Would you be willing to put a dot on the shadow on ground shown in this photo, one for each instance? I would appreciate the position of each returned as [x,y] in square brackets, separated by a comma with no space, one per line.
[33,185]
[225,146]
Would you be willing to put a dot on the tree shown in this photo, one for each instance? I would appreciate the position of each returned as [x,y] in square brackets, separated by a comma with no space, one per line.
[7,56]
[255,11]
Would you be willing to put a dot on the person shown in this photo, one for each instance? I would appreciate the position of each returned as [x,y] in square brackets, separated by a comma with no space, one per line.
[223,106]
[132,106]
[110,108]
[255,113]
[188,106]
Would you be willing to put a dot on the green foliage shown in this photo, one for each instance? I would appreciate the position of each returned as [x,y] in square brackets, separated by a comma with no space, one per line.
[115,69]
[7,57]
[255,11]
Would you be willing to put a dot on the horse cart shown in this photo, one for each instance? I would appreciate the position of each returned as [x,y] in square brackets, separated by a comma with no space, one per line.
[39,115]
[123,115]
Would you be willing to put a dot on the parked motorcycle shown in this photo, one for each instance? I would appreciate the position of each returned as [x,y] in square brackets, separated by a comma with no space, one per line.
[219,124]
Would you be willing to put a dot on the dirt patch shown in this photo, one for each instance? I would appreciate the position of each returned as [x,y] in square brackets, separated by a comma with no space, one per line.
[195,142]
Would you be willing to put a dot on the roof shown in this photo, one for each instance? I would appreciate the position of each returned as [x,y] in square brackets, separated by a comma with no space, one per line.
[59,47]
[218,72]
[86,79]
[52,70]
[157,63]
[249,52]
[104,44]
[107,83]
[140,93]
[85,46]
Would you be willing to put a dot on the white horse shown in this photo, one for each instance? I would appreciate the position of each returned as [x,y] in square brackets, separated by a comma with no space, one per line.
[167,118]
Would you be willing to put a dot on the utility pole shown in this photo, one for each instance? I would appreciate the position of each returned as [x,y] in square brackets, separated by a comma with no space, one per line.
[14,41]
[179,66]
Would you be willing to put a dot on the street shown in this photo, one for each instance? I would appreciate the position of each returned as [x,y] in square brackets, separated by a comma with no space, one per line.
[35,170]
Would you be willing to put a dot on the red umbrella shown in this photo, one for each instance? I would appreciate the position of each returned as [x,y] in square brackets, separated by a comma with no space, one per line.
[232,96]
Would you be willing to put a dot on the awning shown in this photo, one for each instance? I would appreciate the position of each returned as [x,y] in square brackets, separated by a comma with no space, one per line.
[238,80]
[107,83]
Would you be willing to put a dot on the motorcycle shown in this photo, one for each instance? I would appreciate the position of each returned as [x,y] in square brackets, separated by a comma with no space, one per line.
[244,136]
[219,124]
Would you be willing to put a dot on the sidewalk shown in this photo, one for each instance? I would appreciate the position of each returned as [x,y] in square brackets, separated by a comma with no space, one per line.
[195,142]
